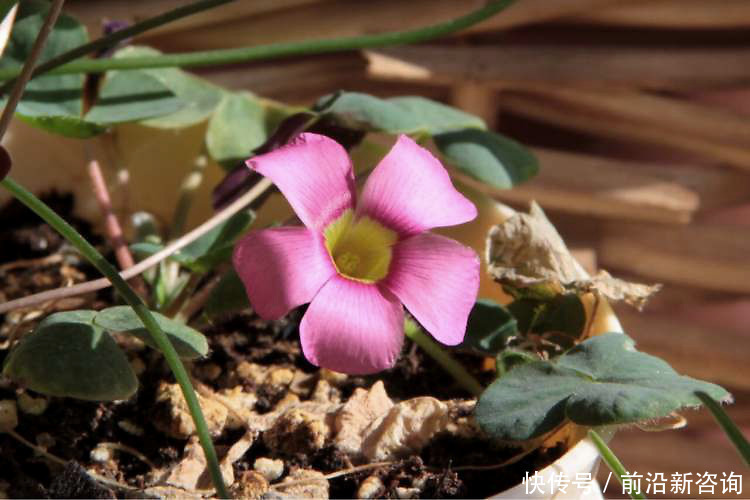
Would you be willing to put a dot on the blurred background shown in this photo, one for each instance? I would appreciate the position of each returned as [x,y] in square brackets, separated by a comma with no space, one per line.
[638,110]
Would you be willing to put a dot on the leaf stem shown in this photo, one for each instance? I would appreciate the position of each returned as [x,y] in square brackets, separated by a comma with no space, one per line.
[112,39]
[274,51]
[443,358]
[127,293]
[730,428]
[612,461]
[26,72]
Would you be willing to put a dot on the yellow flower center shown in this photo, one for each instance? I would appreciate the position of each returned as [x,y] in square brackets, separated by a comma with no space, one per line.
[360,247]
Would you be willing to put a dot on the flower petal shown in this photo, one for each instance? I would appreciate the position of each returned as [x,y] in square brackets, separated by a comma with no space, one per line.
[352,327]
[315,175]
[437,279]
[410,191]
[281,268]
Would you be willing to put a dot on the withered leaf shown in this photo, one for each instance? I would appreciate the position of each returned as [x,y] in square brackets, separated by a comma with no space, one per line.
[526,251]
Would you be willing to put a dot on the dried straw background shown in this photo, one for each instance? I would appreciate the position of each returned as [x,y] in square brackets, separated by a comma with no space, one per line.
[639,111]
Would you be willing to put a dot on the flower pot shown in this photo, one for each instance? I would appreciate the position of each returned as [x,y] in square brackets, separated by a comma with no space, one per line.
[581,459]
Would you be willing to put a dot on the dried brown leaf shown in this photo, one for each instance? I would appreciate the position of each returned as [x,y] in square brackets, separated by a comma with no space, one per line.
[526,251]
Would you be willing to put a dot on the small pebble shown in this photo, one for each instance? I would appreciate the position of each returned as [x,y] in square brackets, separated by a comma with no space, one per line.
[279,377]
[269,468]
[370,487]
[31,405]
[251,372]
[101,454]
[289,399]
[8,415]
[402,492]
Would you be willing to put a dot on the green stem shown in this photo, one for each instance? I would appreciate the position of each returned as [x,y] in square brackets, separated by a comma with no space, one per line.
[443,358]
[733,433]
[612,461]
[112,39]
[127,293]
[274,51]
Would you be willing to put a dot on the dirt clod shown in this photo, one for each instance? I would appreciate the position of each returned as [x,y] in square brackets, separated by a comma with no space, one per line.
[250,484]
[298,431]
[269,468]
[176,420]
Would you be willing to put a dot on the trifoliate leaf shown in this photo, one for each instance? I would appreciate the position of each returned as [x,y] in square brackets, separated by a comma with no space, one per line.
[198,98]
[407,115]
[235,129]
[188,342]
[602,381]
[68,356]
[487,156]
[128,96]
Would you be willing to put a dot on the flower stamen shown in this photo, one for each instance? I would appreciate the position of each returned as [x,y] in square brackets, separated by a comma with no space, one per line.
[360,247]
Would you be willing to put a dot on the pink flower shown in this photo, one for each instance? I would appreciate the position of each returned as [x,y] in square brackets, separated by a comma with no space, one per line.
[357,262]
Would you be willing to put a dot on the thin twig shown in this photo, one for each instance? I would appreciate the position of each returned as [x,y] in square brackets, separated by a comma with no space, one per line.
[359,468]
[6,27]
[333,475]
[28,66]
[127,449]
[506,463]
[99,284]
[48,260]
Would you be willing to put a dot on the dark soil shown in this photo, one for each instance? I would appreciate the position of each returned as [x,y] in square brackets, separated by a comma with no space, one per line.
[70,429]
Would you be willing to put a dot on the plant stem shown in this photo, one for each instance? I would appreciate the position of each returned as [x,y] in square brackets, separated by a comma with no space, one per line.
[26,72]
[134,301]
[733,433]
[274,51]
[443,358]
[612,461]
[112,39]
